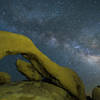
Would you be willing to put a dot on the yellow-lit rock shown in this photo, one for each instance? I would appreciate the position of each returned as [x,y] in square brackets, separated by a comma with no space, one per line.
[32,90]
[96,93]
[4,78]
[11,43]
[28,70]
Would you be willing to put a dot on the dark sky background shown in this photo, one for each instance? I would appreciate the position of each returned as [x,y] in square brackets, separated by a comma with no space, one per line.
[67,31]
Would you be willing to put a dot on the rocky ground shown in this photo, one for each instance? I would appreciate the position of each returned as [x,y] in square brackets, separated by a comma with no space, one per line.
[32,90]
[38,90]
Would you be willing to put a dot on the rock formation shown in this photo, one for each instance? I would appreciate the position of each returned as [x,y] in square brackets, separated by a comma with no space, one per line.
[32,91]
[42,66]
[28,70]
[4,78]
[96,93]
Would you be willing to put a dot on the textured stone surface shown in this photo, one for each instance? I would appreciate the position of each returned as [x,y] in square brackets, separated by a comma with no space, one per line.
[96,93]
[32,91]
[4,78]
[11,43]
[28,70]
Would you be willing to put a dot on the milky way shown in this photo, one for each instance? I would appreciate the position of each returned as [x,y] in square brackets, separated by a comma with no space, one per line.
[67,31]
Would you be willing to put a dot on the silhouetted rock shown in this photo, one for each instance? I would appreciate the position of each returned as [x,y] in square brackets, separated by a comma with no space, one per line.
[89,98]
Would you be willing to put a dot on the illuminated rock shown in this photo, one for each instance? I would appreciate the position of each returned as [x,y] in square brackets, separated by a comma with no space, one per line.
[96,93]
[28,70]
[4,78]
[32,90]
[11,43]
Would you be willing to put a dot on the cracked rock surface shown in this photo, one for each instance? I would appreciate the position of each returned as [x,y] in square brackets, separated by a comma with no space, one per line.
[32,90]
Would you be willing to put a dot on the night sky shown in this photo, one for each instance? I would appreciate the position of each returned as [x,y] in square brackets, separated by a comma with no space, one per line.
[67,31]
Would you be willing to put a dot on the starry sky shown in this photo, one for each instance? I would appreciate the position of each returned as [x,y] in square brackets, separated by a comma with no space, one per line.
[67,31]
